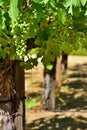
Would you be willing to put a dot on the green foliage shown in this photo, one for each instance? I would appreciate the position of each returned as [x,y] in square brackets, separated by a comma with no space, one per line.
[83,2]
[49,67]
[80,52]
[13,10]
[74,3]
[56,26]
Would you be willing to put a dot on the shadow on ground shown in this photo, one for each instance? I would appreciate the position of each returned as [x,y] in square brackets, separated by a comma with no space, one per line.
[56,123]
[74,98]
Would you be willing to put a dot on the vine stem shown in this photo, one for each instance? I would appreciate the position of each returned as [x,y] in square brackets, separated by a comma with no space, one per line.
[25,3]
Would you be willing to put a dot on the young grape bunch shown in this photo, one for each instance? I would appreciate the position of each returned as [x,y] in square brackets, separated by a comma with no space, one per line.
[19,31]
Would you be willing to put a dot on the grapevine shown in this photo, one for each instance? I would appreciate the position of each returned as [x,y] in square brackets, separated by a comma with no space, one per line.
[52,24]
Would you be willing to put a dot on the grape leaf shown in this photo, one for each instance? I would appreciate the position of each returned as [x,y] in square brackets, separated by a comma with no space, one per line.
[13,10]
[83,2]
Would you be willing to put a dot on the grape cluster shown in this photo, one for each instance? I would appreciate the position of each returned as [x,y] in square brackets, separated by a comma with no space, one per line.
[20,30]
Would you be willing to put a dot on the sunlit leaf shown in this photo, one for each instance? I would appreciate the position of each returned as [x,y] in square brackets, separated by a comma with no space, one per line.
[62,100]
[75,2]
[83,2]
[37,1]
[34,51]
[13,11]
[49,67]
[45,1]
[1,2]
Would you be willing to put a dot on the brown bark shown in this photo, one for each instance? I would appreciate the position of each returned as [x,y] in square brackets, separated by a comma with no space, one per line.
[6,85]
[31,43]
[11,90]
[25,3]
[64,62]
[49,85]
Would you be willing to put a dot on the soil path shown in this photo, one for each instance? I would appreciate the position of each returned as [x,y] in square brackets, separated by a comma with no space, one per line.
[71,113]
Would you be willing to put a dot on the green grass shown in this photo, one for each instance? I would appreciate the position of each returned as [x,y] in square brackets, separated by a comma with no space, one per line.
[79,52]
[29,104]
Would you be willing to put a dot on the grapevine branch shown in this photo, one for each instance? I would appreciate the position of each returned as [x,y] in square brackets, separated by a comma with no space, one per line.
[25,3]
[7,67]
[31,44]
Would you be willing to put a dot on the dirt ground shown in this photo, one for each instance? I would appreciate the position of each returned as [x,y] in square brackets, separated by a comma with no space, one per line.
[71,103]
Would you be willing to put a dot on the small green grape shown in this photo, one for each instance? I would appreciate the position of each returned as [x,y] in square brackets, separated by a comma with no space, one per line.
[14,36]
